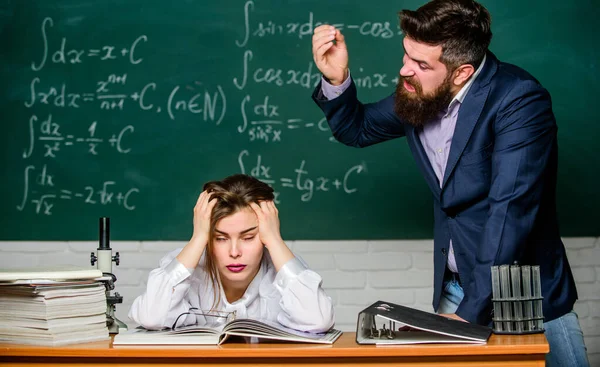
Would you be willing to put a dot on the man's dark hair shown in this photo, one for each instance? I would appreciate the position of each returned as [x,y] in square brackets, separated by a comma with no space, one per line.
[461,27]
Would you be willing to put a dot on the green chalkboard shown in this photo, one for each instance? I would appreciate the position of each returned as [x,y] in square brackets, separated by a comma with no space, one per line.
[125,108]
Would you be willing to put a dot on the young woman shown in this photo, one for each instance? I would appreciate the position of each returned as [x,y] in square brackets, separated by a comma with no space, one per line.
[236,261]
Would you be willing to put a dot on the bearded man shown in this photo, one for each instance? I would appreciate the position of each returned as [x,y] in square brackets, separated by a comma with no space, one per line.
[485,138]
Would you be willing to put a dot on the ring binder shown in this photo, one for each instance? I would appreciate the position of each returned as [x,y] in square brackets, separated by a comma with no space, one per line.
[389,323]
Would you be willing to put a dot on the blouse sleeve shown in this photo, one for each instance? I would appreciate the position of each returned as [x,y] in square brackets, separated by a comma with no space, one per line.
[165,296]
[304,304]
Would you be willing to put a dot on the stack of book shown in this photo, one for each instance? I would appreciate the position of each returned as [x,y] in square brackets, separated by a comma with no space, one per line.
[52,306]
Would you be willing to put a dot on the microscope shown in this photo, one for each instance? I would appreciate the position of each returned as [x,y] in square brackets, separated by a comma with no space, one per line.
[105,260]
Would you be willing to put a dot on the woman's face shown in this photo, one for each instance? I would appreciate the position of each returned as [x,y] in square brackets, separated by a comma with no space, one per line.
[237,248]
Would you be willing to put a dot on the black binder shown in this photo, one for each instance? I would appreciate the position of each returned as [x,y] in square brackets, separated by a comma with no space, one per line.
[388,323]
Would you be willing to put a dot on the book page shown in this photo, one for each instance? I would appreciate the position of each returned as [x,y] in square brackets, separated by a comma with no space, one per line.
[273,330]
[165,337]
[59,272]
[196,329]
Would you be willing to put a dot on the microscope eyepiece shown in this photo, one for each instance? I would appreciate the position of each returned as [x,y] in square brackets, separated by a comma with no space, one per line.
[104,233]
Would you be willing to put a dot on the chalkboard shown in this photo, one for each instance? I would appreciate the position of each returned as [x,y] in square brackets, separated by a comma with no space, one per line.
[125,108]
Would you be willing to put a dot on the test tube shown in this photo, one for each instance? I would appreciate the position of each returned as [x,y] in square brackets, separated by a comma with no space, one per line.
[515,277]
[527,303]
[537,294]
[497,297]
[506,296]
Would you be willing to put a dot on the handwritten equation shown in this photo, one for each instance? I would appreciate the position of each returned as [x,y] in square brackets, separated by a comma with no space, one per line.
[194,102]
[64,54]
[43,202]
[299,178]
[49,134]
[301,29]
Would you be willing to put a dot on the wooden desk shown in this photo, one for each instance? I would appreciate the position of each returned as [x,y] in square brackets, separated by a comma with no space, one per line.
[501,350]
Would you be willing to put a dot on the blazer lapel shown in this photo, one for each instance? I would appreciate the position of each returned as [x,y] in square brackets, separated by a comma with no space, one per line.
[468,115]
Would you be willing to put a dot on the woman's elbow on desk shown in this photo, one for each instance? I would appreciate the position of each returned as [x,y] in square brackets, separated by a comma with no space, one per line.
[145,316]
[307,313]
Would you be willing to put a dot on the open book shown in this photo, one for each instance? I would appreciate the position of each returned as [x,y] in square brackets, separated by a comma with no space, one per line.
[387,323]
[217,335]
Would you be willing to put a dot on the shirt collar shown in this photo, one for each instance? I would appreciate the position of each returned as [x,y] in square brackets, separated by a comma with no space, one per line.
[460,96]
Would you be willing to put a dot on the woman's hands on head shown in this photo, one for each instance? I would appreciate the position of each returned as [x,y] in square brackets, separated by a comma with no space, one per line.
[191,253]
[269,233]
[268,223]
[202,214]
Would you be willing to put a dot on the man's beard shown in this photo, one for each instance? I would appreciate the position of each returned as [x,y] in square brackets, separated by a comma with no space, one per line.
[418,109]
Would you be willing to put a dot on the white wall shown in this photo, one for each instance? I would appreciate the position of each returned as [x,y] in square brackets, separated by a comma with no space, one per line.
[355,273]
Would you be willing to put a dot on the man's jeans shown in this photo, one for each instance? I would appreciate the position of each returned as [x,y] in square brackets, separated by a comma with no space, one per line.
[564,333]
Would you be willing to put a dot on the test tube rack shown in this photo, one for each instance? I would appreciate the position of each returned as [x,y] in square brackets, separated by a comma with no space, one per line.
[517,299]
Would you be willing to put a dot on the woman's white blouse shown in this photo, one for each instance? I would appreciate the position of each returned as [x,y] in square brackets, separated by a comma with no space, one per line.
[293,296]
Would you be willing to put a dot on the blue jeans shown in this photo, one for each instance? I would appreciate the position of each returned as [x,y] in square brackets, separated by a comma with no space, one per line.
[564,333]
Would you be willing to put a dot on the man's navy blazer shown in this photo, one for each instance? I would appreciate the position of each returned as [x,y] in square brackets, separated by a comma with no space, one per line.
[497,201]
